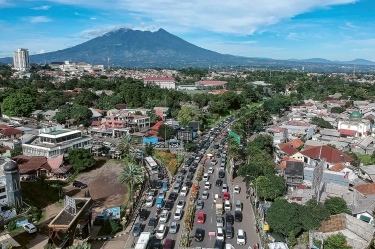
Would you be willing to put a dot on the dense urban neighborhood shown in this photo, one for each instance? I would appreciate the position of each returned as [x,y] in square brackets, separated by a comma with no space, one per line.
[185,158]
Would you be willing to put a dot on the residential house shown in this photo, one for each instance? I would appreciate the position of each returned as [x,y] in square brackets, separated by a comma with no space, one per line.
[96,114]
[162,112]
[36,114]
[168,83]
[49,115]
[284,150]
[293,173]
[327,177]
[299,130]
[329,134]
[279,135]
[355,126]
[10,133]
[365,146]
[154,129]
[125,119]
[358,233]
[361,206]
[367,173]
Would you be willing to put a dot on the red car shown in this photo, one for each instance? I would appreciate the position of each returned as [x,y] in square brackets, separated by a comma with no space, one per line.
[201,217]
[226,196]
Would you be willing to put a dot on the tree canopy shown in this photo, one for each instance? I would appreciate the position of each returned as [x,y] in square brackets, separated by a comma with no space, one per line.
[189,113]
[336,205]
[18,105]
[81,159]
[270,186]
[165,131]
[336,241]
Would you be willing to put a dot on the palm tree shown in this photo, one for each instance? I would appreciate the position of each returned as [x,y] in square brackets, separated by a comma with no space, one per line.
[84,245]
[126,143]
[131,174]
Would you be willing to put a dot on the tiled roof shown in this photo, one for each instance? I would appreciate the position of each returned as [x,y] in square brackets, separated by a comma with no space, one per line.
[296,143]
[10,131]
[34,163]
[55,163]
[287,159]
[158,79]
[288,148]
[366,189]
[337,167]
[336,223]
[294,168]
[2,126]
[96,123]
[157,125]
[330,154]
[347,132]
[211,82]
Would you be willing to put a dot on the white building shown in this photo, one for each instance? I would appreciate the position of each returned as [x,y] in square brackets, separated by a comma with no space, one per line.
[56,141]
[168,83]
[355,126]
[21,59]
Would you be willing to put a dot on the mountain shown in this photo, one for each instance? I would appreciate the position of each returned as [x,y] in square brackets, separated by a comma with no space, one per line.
[324,61]
[134,48]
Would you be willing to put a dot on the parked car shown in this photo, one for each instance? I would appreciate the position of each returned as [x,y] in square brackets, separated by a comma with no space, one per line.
[227,205]
[226,196]
[151,224]
[224,188]
[241,237]
[229,218]
[173,227]
[30,228]
[199,234]
[207,185]
[149,201]
[168,243]
[164,216]
[143,215]
[237,189]
[221,173]
[160,232]
[205,195]
[168,205]
[219,182]
[78,184]
[137,229]
[184,191]
[229,231]
[172,196]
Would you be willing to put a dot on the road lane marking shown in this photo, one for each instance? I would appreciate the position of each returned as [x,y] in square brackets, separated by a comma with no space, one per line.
[211,219]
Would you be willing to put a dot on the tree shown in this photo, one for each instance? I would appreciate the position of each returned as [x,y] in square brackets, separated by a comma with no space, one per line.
[49,246]
[131,174]
[80,113]
[81,159]
[259,163]
[16,151]
[149,149]
[187,114]
[42,178]
[336,241]
[292,241]
[283,217]
[263,142]
[18,105]
[312,214]
[270,186]
[321,123]
[126,143]
[165,131]
[336,205]
[189,146]
[338,109]
[84,245]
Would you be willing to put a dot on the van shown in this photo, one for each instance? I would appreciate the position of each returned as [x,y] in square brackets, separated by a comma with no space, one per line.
[238,205]
[160,203]
[165,187]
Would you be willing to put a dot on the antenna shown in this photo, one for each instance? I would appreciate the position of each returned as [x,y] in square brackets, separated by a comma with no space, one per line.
[354,70]
[109,62]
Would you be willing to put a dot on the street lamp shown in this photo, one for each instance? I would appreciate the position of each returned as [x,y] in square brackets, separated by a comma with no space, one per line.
[256,187]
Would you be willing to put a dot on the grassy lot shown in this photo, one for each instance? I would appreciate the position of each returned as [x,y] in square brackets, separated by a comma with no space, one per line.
[366,159]
[254,104]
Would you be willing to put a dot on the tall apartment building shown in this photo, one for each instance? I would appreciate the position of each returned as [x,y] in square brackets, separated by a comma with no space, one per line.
[21,59]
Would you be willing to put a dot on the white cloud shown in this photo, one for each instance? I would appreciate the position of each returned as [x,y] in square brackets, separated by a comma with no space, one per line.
[93,18]
[41,51]
[37,19]
[242,17]
[350,25]
[91,33]
[44,7]
[76,13]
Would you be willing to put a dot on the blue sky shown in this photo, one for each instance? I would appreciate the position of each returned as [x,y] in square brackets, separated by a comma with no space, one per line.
[280,29]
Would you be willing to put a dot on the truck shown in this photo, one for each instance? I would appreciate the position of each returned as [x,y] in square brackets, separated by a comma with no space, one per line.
[160,202]
[143,240]
[109,213]
[219,206]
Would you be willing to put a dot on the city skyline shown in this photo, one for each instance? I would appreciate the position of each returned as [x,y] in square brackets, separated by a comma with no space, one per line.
[283,29]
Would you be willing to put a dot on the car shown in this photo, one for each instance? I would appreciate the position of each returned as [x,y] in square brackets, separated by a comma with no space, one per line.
[229,218]
[184,191]
[194,165]
[160,232]
[173,227]
[160,176]
[143,215]
[168,244]
[157,244]
[159,184]
[177,187]
[78,184]
[207,185]
[182,171]
[178,214]
[213,162]
[30,228]
[137,229]
[227,205]
[188,184]
[238,216]
[210,170]
[200,218]
[219,182]
[190,176]
[220,234]
[241,237]
[180,204]
[164,216]
[168,205]
[192,171]
[216,196]
[221,173]
[219,244]
[237,189]
[199,234]
[151,224]
[238,205]
[161,194]
[224,188]
[229,231]
[172,196]
[149,201]
[200,204]
[205,177]
[219,220]
[205,195]
[226,196]
[152,193]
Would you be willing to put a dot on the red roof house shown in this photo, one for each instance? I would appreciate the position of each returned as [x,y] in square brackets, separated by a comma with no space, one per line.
[11,133]
[331,155]
[154,129]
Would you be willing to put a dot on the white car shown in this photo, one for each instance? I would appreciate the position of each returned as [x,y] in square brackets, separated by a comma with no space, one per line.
[161,194]
[220,234]
[30,228]
[150,201]
[180,204]
[205,177]
[207,185]
[210,170]
[215,197]
[164,216]
[160,232]
[205,195]
[178,214]
[237,189]
[225,188]
[184,191]
[227,205]
[241,237]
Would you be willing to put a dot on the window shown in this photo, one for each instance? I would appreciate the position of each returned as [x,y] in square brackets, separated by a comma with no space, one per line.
[305,159]
[2,190]
[3,197]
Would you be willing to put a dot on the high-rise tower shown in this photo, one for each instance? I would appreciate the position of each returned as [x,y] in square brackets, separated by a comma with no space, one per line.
[21,59]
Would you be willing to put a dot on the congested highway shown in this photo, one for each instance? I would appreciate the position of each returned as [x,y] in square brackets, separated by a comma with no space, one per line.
[166,223]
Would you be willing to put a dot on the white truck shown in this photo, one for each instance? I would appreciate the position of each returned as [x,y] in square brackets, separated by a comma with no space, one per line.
[143,240]
[219,206]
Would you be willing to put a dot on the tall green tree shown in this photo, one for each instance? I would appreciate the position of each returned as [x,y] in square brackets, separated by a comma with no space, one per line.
[312,214]
[187,114]
[80,113]
[131,175]
[18,105]
[336,205]
[80,158]
[270,187]
[165,131]
[336,241]
[126,143]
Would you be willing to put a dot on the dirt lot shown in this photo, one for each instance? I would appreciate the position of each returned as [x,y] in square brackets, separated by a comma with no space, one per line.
[103,186]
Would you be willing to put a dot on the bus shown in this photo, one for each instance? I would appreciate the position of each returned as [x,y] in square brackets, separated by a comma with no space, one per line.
[143,240]
[151,163]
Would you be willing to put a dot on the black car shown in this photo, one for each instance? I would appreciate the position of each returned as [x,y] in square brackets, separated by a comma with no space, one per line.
[194,165]
[229,218]
[169,205]
[190,175]
[172,196]
[238,216]
[159,184]
[192,170]
[137,229]
[216,146]
[229,231]
[143,215]
[188,184]
[219,182]
[79,184]
[199,234]
[153,184]
[221,174]
[183,171]
[160,176]
[151,224]
[157,245]
[219,244]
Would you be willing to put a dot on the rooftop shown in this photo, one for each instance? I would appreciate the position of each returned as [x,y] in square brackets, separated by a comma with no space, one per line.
[58,132]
